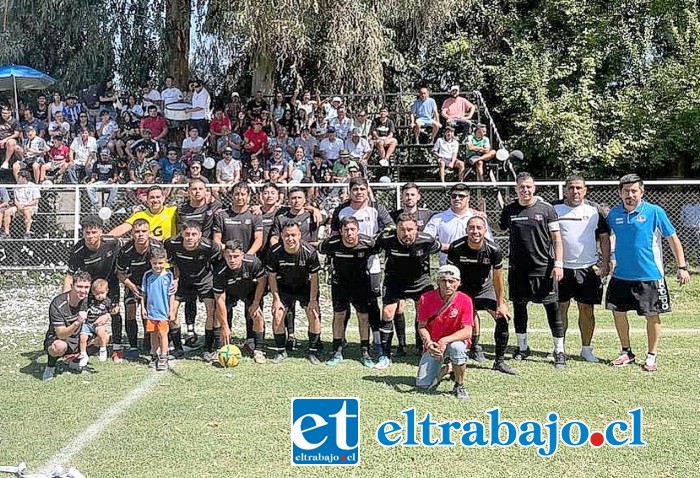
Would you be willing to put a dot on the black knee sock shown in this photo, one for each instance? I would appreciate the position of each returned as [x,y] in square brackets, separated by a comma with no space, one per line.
[190,313]
[249,332]
[364,348]
[117,330]
[289,319]
[314,343]
[500,337]
[176,337]
[475,340]
[338,346]
[520,317]
[346,320]
[257,340]
[419,341]
[556,325]
[208,340]
[386,333]
[400,327]
[217,338]
[229,317]
[132,332]
[280,342]
[52,361]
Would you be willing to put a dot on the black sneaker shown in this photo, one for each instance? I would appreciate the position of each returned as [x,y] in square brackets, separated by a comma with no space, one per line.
[461,393]
[191,340]
[313,358]
[291,344]
[177,354]
[401,351]
[132,354]
[521,354]
[559,360]
[476,353]
[502,367]
[279,358]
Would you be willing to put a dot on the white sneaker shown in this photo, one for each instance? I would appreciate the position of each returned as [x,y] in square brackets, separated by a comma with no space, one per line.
[103,354]
[383,363]
[49,373]
[587,354]
[83,359]
[5,165]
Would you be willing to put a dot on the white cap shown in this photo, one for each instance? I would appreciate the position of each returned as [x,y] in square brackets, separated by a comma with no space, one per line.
[448,271]
[454,87]
[336,98]
[235,93]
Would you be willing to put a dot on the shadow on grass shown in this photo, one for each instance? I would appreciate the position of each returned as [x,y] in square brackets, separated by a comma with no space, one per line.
[400,383]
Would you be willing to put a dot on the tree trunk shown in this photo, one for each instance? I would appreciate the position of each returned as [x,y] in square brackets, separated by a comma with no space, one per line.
[177,40]
[263,73]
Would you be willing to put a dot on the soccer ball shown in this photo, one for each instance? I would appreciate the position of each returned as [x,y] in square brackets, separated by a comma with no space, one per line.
[229,356]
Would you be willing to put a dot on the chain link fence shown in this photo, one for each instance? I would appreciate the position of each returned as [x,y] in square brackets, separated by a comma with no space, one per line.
[55,226]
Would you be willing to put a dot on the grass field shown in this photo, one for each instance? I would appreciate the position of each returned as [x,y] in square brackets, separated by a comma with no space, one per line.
[198,420]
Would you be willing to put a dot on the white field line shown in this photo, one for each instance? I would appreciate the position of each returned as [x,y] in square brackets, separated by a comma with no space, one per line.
[609,330]
[66,454]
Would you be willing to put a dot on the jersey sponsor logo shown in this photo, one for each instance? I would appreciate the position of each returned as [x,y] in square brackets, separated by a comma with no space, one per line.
[247,222]
[641,218]
[619,220]
[538,217]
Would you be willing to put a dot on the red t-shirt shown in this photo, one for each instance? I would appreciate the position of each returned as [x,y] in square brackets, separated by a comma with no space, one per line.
[450,320]
[157,125]
[216,124]
[60,154]
[258,141]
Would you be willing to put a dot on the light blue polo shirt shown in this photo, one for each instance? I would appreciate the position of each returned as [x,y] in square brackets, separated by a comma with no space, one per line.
[638,241]
[424,109]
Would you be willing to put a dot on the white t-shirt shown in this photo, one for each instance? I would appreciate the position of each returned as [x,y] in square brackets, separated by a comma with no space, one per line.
[308,107]
[447,227]
[331,148]
[189,143]
[579,227]
[171,95]
[446,149]
[357,151]
[150,99]
[26,194]
[36,143]
[201,100]
[81,151]
[227,171]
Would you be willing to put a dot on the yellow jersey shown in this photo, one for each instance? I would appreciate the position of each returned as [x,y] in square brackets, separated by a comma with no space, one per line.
[163,225]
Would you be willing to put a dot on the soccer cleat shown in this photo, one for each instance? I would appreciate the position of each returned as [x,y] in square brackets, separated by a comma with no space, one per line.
[177,354]
[247,348]
[559,360]
[162,364]
[461,393]
[521,354]
[476,353]
[154,360]
[401,351]
[279,358]
[258,356]
[624,359]
[588,356]
[191,340]
[83,360]
[49,373]
[209,357]
[504,368]
[335,360]
[649,367]
[133,354]
[291,344]
[367,361]
[102,354]
[313,358]
[117,356]
[383,363]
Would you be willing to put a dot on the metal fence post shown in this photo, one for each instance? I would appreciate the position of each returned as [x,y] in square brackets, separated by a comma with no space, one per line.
[76,216]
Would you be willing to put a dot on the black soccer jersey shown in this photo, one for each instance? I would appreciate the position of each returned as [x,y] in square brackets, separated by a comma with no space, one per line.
[134,264]
[97,308]
[195,266]
[408,266]
[475,265]
[61,314]
[305,221]
[531,249]
[293,271]
[100,263]
[349,263]
[203,215]
[422,215]
[268,219]
[238,226]
[238,284]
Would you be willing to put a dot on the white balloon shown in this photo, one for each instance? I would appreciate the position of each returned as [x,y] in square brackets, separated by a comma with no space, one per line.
[297,175]
[502,154]
[292,182]
[384,162]
[209,162]
[385,179]
[47,182]
[104,213]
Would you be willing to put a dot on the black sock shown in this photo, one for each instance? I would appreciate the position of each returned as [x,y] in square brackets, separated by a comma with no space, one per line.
[386,333]
[280,342]
[475,340]
[400,327]
[217,338]
[314,342]
[627,349]
[346,320]
[556,325]
[117,329]
[132,332]
[176,337]
[520,317]
[190,313]
[289,319]
[249,332]
[257,340]
[500,337]
[209,340]
[229,316]
[52,361]
[364,348]
[338,346]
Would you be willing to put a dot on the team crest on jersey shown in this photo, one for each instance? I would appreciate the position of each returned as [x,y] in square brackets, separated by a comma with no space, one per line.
[453,313]
[419,253]
[247,222]
[538,217]
[210,212]
[109,253]
[586,218]
[360,254]
[641,218]
[486,261]
[302,263]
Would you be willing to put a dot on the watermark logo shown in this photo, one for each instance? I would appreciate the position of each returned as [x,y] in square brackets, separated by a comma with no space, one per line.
[546,438]
[325,431]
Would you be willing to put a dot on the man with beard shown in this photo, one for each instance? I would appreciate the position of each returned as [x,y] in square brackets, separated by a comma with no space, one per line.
[162,219]
[406,274]
[241,276]
[238,223]
[480,263]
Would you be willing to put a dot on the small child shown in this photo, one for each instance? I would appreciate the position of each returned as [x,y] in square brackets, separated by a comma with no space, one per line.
[94,326]
[157,304]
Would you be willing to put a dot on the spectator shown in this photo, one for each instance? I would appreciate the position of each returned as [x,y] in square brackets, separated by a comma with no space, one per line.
[331,146]
[342,124]
[107,96]
[275,177]
[195,172]
[457,110]
[33,122]
[26,201]
[104,172]
[229,140]
[151,146]
[279,106]
[83,122]
[193,143]
[33,154]
[59,126]
[56,105]
[82,154]
[235,107]
[254,173]
[283,141]
[268,125]
[170,165]
[363,124]
[91,100]
[72,110]
[257,105]
[255,141]
[307,105]
[383,134]
[4,200]
[219,121]
[150,97]
[299,161]
[424,113]
[319,127]
[241,125]
[133,107]
[358,147]
[480,150]
[279,163]
[41,112]
[228,170]
[288,122]
[331,107]
[307,142]
[107,132]
[129,133]
[303,120]
[318,167]
[446,150]
[200,108]
[171,93]
[58,160]
[155,123]
[140,164]
[340,167]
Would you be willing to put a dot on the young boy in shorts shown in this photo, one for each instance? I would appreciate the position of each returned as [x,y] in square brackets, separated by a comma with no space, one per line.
[157,304]
[97,318]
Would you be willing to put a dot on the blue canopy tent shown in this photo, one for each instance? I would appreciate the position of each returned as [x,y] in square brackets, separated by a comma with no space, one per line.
[20,78]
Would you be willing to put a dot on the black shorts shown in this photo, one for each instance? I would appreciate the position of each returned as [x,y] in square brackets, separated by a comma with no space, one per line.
[583,285]
[393,293]
[192,291]
[482,299]
[647,298]
[130,298]
[290,298]
[375,284]
[342,298]
[540,290]
[73,344]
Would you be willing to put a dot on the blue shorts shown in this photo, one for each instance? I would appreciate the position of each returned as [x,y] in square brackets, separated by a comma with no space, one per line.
[89,329]
[425,122]
[428,367]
